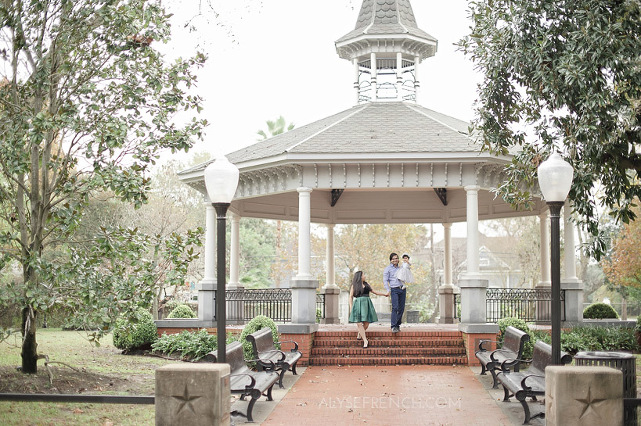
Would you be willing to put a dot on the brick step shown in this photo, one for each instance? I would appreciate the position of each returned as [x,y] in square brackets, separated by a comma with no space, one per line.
[387,351]
[413,334]
[387,348]
[387,341]
[374,360]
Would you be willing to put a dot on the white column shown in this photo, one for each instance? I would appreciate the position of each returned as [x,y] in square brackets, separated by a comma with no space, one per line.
[374,71]
[399,71]
[303,287]
[357,73]
[234,251]
[570,283]
[207,286]
[447,243]
[473,288]
[417,84]
[546,279]
[329,258]
[210,244]
[473,260]
[447,291]
[304,227]
[570,248]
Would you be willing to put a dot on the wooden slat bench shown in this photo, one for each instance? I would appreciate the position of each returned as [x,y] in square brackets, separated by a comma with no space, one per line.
[266,353]
[530,383]
[512,349]
[247,382]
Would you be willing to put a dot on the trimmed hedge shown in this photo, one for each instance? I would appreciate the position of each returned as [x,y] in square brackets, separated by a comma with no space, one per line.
[139,334]
[182,311]
[257,323]
[600,311]
[504,323]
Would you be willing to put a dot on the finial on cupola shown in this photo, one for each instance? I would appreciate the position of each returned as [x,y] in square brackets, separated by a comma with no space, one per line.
[386,47]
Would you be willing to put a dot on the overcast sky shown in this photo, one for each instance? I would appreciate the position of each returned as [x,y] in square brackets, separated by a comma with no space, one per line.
[277,57]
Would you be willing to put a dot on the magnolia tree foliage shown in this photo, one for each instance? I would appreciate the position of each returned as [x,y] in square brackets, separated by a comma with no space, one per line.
[86,103]
[562,75]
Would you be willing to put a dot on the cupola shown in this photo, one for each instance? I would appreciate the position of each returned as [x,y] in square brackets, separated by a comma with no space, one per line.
[386,47]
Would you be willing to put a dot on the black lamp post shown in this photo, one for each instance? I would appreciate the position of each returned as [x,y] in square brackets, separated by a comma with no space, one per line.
[221,181]
[555,180]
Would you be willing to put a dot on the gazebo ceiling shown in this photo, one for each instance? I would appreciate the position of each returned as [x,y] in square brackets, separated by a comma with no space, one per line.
[373,163]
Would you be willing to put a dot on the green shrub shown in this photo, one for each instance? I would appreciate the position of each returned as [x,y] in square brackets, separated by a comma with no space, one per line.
[138,334]
[599,311]
[190,345]
[170,305]
[504,323]
[598,339]
[182,311]
[257,323]
[571,343]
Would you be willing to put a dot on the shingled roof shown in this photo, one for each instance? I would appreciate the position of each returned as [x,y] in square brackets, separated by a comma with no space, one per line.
[385,18]
[372,128]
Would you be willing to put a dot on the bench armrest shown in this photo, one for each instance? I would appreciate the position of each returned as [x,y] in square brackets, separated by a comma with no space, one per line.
[274,351]
[265,365]
[513,361]
[481,348]
[251,384]
[499,351]
[526,387]
[295,349]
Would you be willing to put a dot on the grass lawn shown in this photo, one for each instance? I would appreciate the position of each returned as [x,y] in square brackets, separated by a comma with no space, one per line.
[87,369]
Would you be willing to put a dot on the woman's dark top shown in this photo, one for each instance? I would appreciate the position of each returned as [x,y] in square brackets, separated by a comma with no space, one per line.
[366,290]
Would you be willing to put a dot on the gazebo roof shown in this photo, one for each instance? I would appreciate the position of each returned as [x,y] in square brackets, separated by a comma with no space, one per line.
[372,131]
[374,163]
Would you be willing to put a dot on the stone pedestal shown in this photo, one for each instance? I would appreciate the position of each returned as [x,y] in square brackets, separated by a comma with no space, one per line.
[583,396]
[206,294]
[303,301]
[446,294]
[573,302]
[473,308]
[332,293]
[192,395]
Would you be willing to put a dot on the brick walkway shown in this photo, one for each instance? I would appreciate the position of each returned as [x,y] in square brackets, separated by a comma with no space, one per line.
[403,395]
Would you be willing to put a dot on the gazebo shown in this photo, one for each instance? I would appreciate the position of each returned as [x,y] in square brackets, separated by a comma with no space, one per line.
[385,160]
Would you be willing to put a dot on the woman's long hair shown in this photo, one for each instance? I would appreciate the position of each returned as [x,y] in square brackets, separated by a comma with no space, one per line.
[357,283]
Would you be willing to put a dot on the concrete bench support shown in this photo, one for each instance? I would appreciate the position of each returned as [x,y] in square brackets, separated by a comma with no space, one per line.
[192,395]
[583,395]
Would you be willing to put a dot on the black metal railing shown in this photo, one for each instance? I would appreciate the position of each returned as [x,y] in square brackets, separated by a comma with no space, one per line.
[275,303]
[97,399]
[526,304]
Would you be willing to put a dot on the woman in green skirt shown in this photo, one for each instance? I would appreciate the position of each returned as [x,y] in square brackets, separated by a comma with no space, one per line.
[361,308]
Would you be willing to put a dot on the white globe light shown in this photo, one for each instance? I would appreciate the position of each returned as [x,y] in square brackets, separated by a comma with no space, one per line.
[221,180]
[555,178]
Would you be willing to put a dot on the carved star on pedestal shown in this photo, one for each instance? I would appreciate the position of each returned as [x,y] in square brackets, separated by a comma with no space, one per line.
[590,404]
[186,401]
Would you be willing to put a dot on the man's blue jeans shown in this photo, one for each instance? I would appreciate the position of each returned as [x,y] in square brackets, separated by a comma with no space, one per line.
[398,305]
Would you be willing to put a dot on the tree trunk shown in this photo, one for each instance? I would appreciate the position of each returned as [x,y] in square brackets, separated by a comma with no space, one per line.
[29,345]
